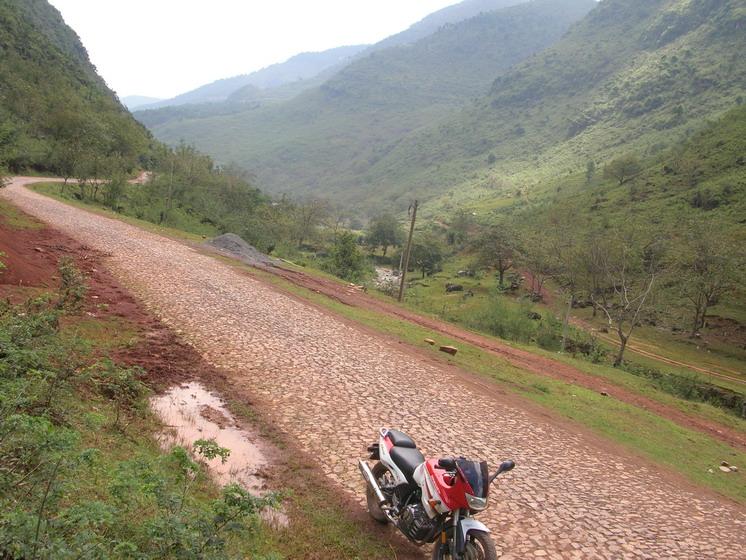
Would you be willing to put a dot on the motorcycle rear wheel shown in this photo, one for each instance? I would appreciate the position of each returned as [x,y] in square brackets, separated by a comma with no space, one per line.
[479,546]
[374,509]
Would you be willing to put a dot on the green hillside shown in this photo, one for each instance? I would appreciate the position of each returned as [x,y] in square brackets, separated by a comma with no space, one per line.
[51,98]
[632,76]
[699,181]
[327,139]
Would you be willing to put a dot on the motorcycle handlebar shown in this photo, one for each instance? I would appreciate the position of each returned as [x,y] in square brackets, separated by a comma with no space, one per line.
[447,463]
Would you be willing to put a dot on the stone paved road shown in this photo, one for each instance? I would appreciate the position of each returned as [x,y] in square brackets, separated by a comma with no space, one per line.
[332,386]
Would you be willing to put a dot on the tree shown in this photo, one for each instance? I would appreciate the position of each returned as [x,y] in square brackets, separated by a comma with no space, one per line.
[114,190]
[427,254]
[346,260]
[498,247]
[566,250]
[709,266]
[689,166]
[384,231]
[590,170]
[591,270]
[8,139]
[539,258]
[308,216]
[461,224]
[622,169]
[631,267]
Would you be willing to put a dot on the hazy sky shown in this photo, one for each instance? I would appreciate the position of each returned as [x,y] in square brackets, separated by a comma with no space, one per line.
[162,48]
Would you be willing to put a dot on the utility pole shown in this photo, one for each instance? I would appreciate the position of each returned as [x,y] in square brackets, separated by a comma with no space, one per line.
[407,251]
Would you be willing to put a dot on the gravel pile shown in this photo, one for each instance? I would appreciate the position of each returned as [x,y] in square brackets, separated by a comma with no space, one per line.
[235,246]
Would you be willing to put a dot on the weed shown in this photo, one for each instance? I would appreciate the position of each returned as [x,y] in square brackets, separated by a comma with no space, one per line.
[72,286]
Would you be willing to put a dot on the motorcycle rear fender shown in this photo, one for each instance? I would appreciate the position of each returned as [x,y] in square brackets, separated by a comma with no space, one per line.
[466,526]
[385,458]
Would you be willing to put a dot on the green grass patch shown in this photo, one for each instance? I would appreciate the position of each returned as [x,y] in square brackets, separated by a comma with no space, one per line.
[55,190]
[15,219]
[685,451]
[81,474]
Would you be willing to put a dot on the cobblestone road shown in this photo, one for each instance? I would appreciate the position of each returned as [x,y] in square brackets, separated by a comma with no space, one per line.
[332,386]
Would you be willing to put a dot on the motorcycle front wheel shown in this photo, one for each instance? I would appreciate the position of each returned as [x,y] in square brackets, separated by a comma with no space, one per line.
[479,546]
[380,473]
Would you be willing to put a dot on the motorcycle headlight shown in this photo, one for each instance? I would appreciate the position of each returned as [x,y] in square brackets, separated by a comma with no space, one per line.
[477,504]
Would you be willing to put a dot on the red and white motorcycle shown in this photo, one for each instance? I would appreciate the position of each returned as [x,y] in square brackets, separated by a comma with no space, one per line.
[433,500]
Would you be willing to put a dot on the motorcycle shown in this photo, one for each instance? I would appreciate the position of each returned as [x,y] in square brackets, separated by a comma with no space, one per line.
[430,500]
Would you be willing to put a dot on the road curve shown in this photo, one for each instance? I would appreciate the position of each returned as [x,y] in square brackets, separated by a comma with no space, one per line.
[332,385]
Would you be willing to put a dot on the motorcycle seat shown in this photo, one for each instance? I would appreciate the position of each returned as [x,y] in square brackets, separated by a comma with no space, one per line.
[407,459]
[400,439]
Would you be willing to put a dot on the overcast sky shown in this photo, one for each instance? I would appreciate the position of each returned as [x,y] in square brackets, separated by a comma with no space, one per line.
[161,48]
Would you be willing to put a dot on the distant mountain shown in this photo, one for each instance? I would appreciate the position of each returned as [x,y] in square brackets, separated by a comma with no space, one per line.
[325,140]
[132,102]
[633,76]
[295,71]
[53,104]
[449,15]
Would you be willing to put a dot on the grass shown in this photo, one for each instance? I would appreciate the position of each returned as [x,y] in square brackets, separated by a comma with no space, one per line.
[685,451]
[15,219]
[54,190]
[121,455]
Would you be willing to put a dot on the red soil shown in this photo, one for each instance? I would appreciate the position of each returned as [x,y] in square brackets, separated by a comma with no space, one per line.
[520,358]
[32,257]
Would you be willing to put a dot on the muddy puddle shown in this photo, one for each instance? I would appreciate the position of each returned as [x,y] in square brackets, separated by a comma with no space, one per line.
[191,412]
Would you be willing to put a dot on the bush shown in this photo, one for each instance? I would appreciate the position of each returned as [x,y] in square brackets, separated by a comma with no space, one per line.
[689,387]
[506,321]
[346,260]
[72,286]
[69,488]
[121,386]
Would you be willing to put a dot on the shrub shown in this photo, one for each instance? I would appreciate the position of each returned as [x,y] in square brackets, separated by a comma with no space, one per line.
[689,387]
[120,385]
[62,498]
[73,288]
[506,321]
[346,260]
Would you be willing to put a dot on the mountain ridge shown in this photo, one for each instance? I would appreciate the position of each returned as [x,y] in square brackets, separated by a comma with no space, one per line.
[296,69]
[343,126]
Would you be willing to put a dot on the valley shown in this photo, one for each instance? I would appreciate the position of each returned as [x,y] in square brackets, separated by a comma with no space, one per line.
[513,230]
[581,462]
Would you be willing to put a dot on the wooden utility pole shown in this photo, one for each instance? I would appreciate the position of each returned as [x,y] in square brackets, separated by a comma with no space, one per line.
[407,251]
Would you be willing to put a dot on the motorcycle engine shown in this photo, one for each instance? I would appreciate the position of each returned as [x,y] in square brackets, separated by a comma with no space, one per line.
[416,525]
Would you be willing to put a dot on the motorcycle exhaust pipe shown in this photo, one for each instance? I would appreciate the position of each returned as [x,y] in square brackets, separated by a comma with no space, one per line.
[371,480]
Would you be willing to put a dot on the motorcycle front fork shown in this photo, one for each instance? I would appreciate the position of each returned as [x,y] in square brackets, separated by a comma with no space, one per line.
[447,544]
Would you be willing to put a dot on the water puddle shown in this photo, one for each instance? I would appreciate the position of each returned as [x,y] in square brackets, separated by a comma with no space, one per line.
[191,412]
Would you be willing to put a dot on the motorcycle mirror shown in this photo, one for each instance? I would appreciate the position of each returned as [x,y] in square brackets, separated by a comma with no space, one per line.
[505,466]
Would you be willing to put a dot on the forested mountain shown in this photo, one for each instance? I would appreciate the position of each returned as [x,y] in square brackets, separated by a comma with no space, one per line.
[278,81]
[306,70]
[326,139]
[52,102]
[633,76]
[698,180]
